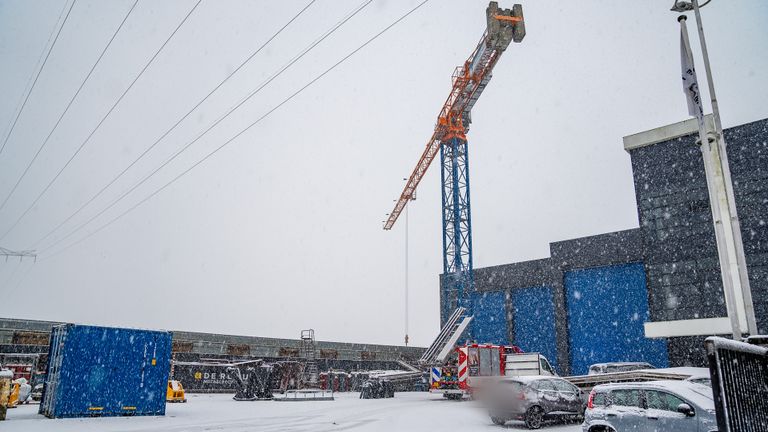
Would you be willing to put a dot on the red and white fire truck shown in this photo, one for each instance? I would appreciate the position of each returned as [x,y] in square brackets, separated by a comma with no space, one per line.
[475,365]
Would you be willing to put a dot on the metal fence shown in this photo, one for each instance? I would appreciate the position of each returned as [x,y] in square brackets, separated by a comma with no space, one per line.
[740,384]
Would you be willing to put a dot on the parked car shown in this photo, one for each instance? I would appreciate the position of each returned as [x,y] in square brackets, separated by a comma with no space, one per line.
[654,406]
[535,400]
[703,380]
[601,368]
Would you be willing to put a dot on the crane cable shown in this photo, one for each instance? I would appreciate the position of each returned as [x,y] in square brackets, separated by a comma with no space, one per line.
[257,121]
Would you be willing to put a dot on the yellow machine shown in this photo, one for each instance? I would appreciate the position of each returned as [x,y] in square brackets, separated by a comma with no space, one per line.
[175,392]
[5,390]
[13,399]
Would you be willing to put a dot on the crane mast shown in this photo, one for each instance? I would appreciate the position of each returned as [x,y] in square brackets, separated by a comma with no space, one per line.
[449,138]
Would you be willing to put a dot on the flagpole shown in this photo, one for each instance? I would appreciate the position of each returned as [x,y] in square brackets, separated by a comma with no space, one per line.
[738,244]
[715,185]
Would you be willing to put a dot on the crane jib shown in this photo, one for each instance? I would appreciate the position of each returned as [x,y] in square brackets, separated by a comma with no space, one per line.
[468,83]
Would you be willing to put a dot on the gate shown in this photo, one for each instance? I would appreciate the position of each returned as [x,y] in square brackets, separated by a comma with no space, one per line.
[740,384]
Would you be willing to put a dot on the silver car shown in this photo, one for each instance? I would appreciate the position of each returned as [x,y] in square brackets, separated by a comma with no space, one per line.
[654,406]
[534,400]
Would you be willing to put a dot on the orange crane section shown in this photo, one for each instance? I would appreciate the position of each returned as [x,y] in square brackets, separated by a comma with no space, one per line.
[469,81]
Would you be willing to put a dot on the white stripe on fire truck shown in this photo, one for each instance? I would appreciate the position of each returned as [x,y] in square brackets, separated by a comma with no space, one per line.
[436,374]
[462,372]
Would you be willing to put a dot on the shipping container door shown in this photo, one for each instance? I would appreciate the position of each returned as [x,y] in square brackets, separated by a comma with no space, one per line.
[144,372]
[130,370]
[534,321]
[607,307]
[489,324]
[93,350]
[155,375]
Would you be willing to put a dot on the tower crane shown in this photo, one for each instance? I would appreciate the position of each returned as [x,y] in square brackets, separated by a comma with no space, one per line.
[449,138]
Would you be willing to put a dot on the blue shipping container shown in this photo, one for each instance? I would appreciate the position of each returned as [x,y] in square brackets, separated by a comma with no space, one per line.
[105,371]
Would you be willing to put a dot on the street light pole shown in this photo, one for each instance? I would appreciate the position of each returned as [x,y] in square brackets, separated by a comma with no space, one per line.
[726,170]
[727,227]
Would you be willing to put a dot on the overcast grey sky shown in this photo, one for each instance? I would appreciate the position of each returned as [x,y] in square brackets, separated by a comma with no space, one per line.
[281,230]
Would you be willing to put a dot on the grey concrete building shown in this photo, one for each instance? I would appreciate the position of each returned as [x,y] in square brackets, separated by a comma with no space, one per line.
[590,301]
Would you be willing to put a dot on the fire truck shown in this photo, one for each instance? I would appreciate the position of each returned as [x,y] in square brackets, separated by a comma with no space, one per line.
[458,371]
[476,365]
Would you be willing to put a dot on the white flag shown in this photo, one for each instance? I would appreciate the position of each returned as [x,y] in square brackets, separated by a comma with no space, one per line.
[690,83]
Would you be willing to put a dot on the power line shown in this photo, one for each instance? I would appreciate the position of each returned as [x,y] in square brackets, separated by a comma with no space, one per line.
[219,120]
[53,180]
[257,121]
[178,122]
[23,277]
[72,100]
[13,125]
[46,47]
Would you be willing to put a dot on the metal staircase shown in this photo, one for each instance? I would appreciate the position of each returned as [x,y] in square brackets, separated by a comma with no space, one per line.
[308,351]
[441,348]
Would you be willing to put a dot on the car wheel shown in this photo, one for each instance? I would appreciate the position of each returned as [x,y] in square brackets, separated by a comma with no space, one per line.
[498,421]
[534,417]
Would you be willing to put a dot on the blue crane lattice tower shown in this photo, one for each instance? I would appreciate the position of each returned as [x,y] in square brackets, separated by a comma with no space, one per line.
[449,137]
[457,220]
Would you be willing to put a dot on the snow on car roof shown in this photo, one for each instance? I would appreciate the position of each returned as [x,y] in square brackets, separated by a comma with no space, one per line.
[620,364]
[692,371]
[699,395]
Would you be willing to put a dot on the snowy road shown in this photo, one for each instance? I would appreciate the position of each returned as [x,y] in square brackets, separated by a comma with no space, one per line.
[406,412]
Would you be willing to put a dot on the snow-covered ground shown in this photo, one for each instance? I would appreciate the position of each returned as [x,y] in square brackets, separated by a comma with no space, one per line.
[406,412]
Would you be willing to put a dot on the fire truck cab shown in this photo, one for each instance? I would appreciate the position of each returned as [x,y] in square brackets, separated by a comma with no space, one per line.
[475,365]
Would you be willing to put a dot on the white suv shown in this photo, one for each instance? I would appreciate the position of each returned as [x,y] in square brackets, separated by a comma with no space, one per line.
[655,406]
